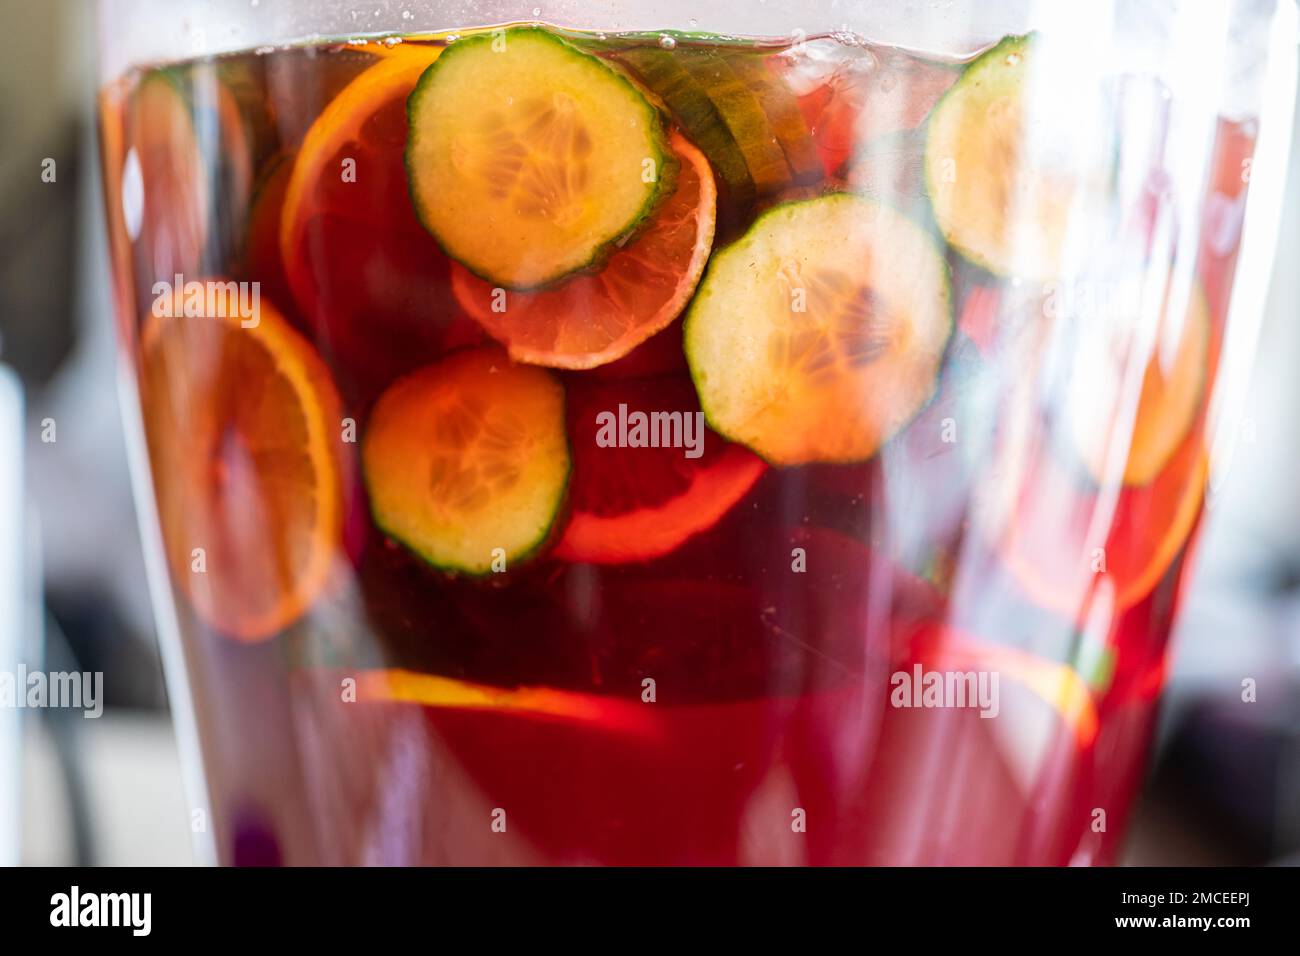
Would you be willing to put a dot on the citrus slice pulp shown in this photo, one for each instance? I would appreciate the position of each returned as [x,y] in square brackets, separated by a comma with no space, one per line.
[241,426]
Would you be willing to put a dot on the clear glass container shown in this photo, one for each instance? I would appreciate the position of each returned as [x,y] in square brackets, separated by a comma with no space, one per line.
[907,601]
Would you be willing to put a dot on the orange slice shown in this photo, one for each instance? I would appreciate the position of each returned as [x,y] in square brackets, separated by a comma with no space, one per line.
[591,319]
[1079,521]
[1057,684]
[1068,544]
[174,219]
[539,703]
[1054,682]
[196,156]
[242,427]
[1161,412]
[320,183]
[368,281]
[639,503]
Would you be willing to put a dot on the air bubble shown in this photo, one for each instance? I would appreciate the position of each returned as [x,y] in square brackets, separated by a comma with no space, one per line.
[667,42]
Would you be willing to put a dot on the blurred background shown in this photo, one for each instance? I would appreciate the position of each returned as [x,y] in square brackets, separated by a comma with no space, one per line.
[1224,787]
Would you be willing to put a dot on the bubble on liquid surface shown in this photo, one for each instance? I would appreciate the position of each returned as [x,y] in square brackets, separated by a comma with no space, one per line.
[825,62]
[667,42]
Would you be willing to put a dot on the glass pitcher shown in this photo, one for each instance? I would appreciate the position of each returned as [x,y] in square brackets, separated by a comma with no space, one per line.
[679,434]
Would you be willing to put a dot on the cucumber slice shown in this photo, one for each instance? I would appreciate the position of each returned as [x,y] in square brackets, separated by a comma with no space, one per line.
[819,334]
[743,114]
[1001,205]
[781,108]
[698,115]
[529,159]
[467,456]
[736,110]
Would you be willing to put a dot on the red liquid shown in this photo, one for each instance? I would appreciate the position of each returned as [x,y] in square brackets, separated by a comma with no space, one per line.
[731,701]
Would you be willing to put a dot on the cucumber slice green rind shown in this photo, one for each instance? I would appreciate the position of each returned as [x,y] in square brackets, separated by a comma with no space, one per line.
[739,114]
[743,114]
[699,116]
[784,116]
[679,38]
[719,313]
[426,113]
[940,147]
